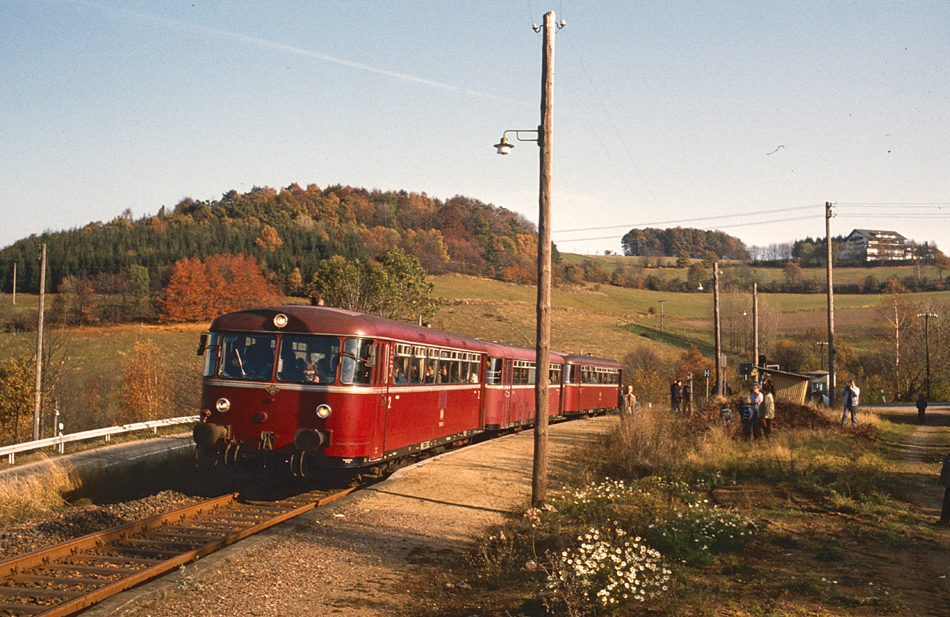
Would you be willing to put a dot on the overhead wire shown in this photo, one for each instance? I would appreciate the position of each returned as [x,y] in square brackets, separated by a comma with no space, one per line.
[697,219]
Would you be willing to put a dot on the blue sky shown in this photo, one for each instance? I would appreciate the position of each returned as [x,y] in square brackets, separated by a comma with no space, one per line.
[743,116]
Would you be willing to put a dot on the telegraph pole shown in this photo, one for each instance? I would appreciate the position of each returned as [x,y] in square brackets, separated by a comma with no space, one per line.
[720,388]
[38,394]
[539,484]
[832,382]
[755,324]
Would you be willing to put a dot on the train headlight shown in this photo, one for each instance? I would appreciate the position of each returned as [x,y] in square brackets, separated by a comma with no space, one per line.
[280,320]
[323,411]
[222,405]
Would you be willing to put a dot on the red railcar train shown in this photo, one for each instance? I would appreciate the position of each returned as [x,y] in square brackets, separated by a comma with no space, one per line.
[311,388]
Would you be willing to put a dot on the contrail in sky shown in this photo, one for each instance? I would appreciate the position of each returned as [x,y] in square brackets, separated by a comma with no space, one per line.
[306,53]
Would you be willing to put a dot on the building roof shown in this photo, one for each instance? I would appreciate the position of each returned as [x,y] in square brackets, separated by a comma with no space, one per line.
[877,233]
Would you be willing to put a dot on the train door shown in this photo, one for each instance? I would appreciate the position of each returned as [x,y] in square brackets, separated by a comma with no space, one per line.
[506,379]
[403,417]
[384,368]
[570,399]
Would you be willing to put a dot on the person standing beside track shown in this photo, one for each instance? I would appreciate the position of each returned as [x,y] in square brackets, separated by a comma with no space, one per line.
[628,405]
[850,396]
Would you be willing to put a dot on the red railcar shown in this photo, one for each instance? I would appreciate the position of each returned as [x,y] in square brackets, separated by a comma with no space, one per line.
[314,387]
[591,385]
[510,378]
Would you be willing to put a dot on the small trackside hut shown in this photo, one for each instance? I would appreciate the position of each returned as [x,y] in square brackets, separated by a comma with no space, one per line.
[305,388]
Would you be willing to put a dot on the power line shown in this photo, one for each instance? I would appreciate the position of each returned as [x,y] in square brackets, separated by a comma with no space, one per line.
[798,218]
[704,218]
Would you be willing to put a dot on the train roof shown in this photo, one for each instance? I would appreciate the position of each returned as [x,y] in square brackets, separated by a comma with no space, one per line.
[575,358]
[326,320]
[335,321]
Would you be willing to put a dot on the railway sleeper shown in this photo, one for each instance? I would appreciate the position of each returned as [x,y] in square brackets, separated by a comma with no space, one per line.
[36,592]
[59,580]
[23,609]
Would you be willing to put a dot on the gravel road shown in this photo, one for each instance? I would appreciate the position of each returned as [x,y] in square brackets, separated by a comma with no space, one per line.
[354,557]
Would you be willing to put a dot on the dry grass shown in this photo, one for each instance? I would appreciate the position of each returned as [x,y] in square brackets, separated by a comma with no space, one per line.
[25,496]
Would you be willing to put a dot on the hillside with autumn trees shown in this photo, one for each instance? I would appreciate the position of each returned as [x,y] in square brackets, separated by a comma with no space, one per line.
[286,232]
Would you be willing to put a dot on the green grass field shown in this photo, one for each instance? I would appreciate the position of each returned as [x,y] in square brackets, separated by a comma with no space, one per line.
[665,268]
[597,319]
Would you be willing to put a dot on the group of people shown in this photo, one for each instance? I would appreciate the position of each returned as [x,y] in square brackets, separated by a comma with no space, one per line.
[681,397]
[758,412]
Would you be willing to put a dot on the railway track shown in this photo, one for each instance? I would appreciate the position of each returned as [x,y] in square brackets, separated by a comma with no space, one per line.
[72,576]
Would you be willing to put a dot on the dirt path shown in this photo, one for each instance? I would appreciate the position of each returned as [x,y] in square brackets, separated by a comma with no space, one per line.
[923,453]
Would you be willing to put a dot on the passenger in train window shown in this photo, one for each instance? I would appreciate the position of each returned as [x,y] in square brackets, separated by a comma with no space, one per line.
[399,377]
[291,367]
[444,374]
[415,373]
[325,370]
[430,374]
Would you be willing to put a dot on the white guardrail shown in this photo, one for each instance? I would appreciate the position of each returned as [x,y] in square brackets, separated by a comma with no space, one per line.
[60,440]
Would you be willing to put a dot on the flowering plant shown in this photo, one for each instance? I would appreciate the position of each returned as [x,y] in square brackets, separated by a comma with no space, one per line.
[605,570]
[698,530]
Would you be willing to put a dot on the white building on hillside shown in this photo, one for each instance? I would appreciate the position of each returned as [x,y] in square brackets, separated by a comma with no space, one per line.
[876,245]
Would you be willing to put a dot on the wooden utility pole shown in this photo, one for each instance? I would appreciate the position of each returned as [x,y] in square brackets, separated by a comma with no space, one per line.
[539,485]
[14,283]
[832,382]
[720,388]
[755,324]
[38,394]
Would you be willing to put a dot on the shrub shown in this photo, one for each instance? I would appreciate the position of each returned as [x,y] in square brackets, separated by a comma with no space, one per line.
[604,571]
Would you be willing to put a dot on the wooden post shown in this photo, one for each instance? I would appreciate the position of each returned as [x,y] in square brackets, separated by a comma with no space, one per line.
[832,382]
[38,394]
[539,485]
[755,325]
[720,387]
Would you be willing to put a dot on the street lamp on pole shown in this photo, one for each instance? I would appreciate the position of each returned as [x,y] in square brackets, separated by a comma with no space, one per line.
[927,317]
[544,139]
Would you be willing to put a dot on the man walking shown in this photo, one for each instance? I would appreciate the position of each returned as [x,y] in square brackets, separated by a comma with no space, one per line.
[850,397]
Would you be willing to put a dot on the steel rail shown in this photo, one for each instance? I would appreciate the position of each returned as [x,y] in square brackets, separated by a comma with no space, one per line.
[39,583]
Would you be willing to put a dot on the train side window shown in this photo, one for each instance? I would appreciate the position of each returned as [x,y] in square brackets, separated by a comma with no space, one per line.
[417,370]
[431,372]
[212,347]
[554,374]
[356,367]
[568,373]
[473,370]
[493,374]
[402,366]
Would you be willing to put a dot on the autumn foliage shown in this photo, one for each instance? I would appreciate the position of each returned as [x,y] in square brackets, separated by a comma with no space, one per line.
[146,389]
[203,289]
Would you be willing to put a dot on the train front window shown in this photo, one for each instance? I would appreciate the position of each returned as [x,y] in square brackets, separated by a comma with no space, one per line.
[357,365]
[248,356]
[308,359]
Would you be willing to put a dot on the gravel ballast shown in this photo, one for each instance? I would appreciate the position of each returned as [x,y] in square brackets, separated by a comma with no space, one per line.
[355,556]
